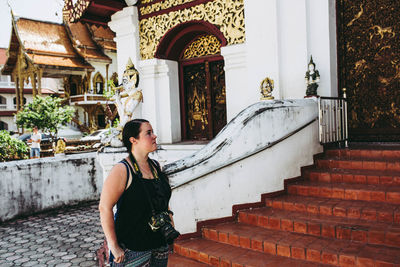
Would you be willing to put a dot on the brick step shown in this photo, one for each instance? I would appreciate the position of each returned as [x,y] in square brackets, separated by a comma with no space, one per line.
[358,164]
[377,153]
[352,209]
[302,247]
[175,260]
[353,176]
[218,254]
[366,192]
[357,230]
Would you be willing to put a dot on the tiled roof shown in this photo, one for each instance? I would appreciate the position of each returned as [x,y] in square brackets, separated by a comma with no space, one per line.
[45,43]
[60,61]
[82,39]
[3,56]
[42,36]
[104,36]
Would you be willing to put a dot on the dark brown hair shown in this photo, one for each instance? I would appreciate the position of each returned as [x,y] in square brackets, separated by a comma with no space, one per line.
[131,129]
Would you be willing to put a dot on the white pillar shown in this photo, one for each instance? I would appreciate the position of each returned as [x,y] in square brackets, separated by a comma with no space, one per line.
[238,93]
[161,106]
[262,46]
[322,43]
[293,50]
[125,24]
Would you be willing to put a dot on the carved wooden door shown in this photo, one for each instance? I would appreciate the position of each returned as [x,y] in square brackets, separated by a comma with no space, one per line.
[369,60]
[204,104]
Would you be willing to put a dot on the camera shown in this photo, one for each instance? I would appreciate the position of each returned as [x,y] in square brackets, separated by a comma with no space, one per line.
[162,222]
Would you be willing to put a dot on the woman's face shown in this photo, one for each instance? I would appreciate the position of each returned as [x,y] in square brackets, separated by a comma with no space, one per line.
[146,140]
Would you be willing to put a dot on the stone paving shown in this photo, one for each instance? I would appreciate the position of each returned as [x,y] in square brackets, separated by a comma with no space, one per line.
[64,237]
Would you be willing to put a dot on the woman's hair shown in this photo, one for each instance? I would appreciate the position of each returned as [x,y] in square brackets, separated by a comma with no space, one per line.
[131,129]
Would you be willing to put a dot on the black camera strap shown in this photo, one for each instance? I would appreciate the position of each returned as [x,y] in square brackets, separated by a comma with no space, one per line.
[137,171]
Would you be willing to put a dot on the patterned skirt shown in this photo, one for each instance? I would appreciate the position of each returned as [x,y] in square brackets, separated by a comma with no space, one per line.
[151,258]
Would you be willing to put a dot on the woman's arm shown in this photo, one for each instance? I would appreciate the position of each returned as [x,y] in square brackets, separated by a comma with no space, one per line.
[113,188]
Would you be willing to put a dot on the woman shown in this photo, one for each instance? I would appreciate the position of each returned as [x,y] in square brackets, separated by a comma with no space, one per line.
[131,185]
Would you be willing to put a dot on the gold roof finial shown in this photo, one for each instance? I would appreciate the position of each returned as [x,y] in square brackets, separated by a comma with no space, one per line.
[129,64]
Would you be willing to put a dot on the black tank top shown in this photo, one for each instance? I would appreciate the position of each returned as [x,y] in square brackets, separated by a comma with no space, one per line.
[134,211]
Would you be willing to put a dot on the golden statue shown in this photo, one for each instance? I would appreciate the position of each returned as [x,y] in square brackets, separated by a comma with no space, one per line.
[266,87]
[60,148]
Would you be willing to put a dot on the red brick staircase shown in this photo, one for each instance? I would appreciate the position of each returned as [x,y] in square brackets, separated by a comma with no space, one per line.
[342,211]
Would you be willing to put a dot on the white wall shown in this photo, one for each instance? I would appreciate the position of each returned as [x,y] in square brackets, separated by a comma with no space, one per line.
[281,35]
[28,186]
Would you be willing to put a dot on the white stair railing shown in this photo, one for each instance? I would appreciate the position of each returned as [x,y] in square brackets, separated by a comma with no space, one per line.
[333,126]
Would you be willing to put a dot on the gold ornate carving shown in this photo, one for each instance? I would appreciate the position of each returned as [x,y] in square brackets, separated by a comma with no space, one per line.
[146,1]
[197,110]
[203,46]
[72,12]
[161,6]
[369,65]
[228,15]
[266,87]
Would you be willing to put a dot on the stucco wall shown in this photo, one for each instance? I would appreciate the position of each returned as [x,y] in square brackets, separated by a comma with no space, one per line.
[28,186]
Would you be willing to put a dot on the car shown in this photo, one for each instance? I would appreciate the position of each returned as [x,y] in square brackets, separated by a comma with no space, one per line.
[46,137]
[95,136]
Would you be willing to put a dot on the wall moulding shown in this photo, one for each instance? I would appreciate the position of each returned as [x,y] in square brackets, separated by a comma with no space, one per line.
[227,16]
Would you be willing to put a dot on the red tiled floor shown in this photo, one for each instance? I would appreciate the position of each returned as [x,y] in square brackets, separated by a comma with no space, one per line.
[346,216]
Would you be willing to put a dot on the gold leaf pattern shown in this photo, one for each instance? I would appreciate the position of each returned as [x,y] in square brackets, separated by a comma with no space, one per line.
[203,46]
[161,6]
[227,15]
[370,62]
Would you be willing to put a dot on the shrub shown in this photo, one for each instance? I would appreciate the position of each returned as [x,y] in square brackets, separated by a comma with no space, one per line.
[11,148]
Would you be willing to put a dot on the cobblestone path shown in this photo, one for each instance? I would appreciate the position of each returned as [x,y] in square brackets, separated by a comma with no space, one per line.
[65,237]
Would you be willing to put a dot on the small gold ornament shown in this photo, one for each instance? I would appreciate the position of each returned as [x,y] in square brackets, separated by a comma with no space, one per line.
[266,87]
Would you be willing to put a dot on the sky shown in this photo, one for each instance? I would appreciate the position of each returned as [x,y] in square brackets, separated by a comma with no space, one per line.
[45,10]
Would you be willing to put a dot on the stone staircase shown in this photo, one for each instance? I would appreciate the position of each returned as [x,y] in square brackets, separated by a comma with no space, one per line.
[343,211]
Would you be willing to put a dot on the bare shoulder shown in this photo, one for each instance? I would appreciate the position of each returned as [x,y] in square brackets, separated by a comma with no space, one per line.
[117,173]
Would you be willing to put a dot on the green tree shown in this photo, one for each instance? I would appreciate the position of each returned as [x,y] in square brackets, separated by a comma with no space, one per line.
[11,148]
[46,113]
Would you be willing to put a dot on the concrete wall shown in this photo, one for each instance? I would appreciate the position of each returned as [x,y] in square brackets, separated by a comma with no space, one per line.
[28,186]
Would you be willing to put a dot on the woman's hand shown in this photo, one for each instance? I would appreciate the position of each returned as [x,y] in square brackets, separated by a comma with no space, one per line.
[118,253]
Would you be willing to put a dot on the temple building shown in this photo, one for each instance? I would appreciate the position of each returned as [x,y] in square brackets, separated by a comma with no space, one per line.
[248,79]
[8,99]
[202,62]
[80,57]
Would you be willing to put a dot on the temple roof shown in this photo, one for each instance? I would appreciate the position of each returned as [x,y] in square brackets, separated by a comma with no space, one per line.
[46,44]
[3,56]
[104,37]
[81,37]
[96,12]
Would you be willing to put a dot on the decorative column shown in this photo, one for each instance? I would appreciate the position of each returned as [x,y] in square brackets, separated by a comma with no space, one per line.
[40,82]
[238,93]
[125,24]
[33,81]
[17,102]
[21,92]
[161,106]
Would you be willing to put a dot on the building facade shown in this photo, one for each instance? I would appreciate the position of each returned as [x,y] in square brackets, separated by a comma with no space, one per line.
[8,99]
[202,61]
[79,57]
